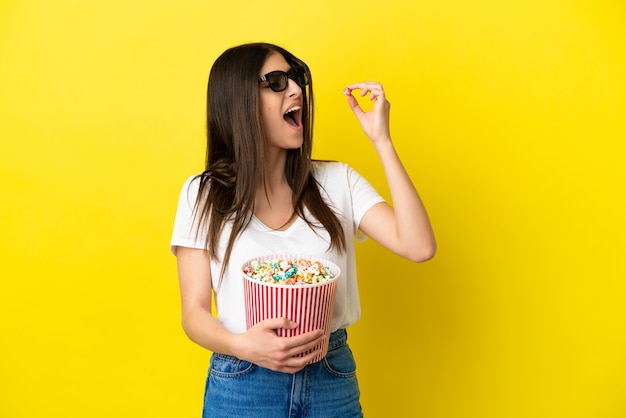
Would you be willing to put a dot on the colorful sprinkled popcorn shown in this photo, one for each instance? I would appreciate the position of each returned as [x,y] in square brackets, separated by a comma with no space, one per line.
[288,272]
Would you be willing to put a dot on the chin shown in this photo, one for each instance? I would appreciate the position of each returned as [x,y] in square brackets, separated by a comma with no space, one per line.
[296,144]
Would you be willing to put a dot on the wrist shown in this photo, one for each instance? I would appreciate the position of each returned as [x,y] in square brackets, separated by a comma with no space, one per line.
[236,345]
[384,144]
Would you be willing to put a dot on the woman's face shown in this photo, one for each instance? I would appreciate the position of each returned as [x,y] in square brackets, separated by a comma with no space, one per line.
[281,112]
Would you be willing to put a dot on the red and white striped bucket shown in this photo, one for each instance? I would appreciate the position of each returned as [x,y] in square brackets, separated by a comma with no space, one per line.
[309,305]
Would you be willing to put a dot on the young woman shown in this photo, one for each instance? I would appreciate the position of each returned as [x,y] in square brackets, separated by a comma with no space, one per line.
[262,194]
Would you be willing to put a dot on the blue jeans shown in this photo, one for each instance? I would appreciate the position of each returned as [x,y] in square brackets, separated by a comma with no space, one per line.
[325,389]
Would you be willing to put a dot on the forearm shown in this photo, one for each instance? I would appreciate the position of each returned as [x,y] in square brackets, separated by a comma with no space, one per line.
[260,344]
[412,225]
[205,330]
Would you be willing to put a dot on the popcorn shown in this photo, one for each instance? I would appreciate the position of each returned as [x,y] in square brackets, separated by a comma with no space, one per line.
[300,271]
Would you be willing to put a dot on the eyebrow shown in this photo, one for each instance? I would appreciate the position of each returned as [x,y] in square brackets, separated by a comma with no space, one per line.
[271,71]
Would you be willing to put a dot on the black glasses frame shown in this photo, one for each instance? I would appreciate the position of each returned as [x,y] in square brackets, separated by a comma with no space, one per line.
[279,80]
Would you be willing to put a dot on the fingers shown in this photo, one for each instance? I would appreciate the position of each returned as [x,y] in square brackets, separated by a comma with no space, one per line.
[288,354]
[374,89]
[295,364]
[276,323]
[296,342]
[285,354]
[376,94]
[302,343]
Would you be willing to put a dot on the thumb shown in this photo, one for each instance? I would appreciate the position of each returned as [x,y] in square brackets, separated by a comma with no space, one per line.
[354,105]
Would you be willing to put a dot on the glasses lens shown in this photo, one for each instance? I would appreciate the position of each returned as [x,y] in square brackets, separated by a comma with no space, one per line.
[277,80]
[298,74]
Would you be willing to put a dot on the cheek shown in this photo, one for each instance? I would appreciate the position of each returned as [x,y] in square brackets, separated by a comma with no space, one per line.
[269,115]
[265,116]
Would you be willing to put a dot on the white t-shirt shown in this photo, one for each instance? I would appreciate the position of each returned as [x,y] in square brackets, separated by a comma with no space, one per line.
[348,193]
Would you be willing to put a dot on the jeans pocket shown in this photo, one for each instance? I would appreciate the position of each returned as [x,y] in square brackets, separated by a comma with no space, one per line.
[229,366]
[340,362]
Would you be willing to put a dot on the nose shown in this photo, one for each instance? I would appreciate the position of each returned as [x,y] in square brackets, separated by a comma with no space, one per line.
[293,89]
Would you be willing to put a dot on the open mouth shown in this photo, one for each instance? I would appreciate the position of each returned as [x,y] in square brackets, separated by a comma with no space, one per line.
[293,116]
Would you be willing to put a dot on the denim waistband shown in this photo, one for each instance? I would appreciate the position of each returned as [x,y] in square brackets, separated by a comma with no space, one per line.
[337,339]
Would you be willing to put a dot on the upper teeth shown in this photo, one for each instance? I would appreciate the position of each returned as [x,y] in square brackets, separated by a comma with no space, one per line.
[292,109]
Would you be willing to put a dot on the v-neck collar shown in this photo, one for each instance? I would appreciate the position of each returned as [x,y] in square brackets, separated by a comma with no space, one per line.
[259,223]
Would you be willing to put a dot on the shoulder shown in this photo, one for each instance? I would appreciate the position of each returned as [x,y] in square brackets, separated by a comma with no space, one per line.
[336,174]
[325,171]
[191,184]
[190,189]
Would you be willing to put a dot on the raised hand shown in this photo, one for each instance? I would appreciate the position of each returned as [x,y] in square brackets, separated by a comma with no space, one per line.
[375,123]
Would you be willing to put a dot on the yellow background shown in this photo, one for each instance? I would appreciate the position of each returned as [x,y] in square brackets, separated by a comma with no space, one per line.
[510,117]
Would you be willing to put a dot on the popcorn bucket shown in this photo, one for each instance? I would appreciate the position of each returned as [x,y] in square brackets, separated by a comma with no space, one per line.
[309,305]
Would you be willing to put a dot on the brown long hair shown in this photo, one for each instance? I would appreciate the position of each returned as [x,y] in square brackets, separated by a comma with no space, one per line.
[235,151]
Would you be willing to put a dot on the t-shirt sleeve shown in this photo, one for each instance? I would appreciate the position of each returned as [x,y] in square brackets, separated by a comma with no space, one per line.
[363,196]
[185,233]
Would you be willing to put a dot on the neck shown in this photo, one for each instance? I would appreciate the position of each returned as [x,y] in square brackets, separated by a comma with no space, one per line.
[273,191]
[274,173]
